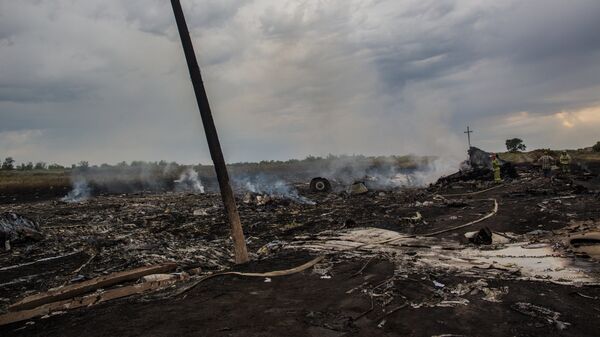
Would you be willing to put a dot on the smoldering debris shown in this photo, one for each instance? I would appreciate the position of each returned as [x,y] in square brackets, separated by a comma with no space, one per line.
[377,173]
[17,228]
[132,179]
[388,173]
[81,191]
[189,182]
[479,166]
[357,188]
[262,189]
[530,244]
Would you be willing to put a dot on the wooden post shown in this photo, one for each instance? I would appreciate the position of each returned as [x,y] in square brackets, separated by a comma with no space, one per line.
[239,244]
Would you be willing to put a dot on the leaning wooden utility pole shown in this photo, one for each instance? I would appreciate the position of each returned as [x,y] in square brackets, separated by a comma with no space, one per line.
[239,244]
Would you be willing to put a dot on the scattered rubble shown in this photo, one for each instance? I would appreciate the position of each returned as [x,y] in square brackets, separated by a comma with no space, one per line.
[466,245]
[512,261]
[358,188]
[480,287]
[414,219]
[17,228]
[479,166]
[586,244]
[480,237]
[540,312]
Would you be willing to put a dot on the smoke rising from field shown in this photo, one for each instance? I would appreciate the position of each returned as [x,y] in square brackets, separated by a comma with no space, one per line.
[390,172]
[275,179]
[379,173]
[138,177]
[81,191]
[272,186]
[189,182]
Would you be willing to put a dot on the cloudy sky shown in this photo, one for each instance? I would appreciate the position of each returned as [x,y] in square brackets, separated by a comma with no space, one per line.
[106,80]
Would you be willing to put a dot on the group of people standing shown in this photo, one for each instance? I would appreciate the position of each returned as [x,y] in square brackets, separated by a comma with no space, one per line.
[546,162]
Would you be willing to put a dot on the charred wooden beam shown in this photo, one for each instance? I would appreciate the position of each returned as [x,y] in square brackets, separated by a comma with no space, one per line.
[88,286]
[85,301]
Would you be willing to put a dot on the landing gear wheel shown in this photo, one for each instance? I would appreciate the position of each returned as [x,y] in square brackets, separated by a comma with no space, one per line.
[320,185]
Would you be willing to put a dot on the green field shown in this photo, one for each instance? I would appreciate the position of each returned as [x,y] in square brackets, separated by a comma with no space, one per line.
[34,179]
[584,155]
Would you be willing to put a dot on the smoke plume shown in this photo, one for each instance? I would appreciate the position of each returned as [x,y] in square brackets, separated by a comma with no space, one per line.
[189,182]
[81,191]
[272,186]
[389,172]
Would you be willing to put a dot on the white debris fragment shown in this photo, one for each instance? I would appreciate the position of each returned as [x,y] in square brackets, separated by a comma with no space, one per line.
[200,211]
[438,284]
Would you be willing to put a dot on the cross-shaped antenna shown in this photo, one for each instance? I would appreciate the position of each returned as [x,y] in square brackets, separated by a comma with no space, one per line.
[469,132]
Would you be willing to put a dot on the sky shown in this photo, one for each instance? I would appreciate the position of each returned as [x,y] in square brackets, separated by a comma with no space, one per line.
[106,80]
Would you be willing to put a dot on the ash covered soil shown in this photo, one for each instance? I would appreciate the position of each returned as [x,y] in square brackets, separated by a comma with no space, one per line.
[393,263]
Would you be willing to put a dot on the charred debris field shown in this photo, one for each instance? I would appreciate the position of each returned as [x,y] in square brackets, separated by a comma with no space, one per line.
[462,256]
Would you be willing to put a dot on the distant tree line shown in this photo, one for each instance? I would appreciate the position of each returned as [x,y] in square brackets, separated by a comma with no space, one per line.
[10,164]
[329,157]
[513,145]
[516,145]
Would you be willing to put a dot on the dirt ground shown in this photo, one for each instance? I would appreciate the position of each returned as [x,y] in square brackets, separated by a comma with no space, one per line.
[388,290]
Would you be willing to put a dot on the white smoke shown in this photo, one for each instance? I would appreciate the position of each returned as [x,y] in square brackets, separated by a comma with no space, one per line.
[189,182]
[386,173]
[436,169]
[81,191]
[276,188]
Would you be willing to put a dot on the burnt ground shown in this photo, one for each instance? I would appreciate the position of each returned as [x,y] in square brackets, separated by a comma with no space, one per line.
[119,232]
[305,305]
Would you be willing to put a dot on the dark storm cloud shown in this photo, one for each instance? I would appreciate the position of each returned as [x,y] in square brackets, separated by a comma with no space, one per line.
[107,81]
[41,92]
[542,48]
[153,16]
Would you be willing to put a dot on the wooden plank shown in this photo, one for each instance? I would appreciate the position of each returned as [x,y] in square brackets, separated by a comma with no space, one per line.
[85,301]
[77,289]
